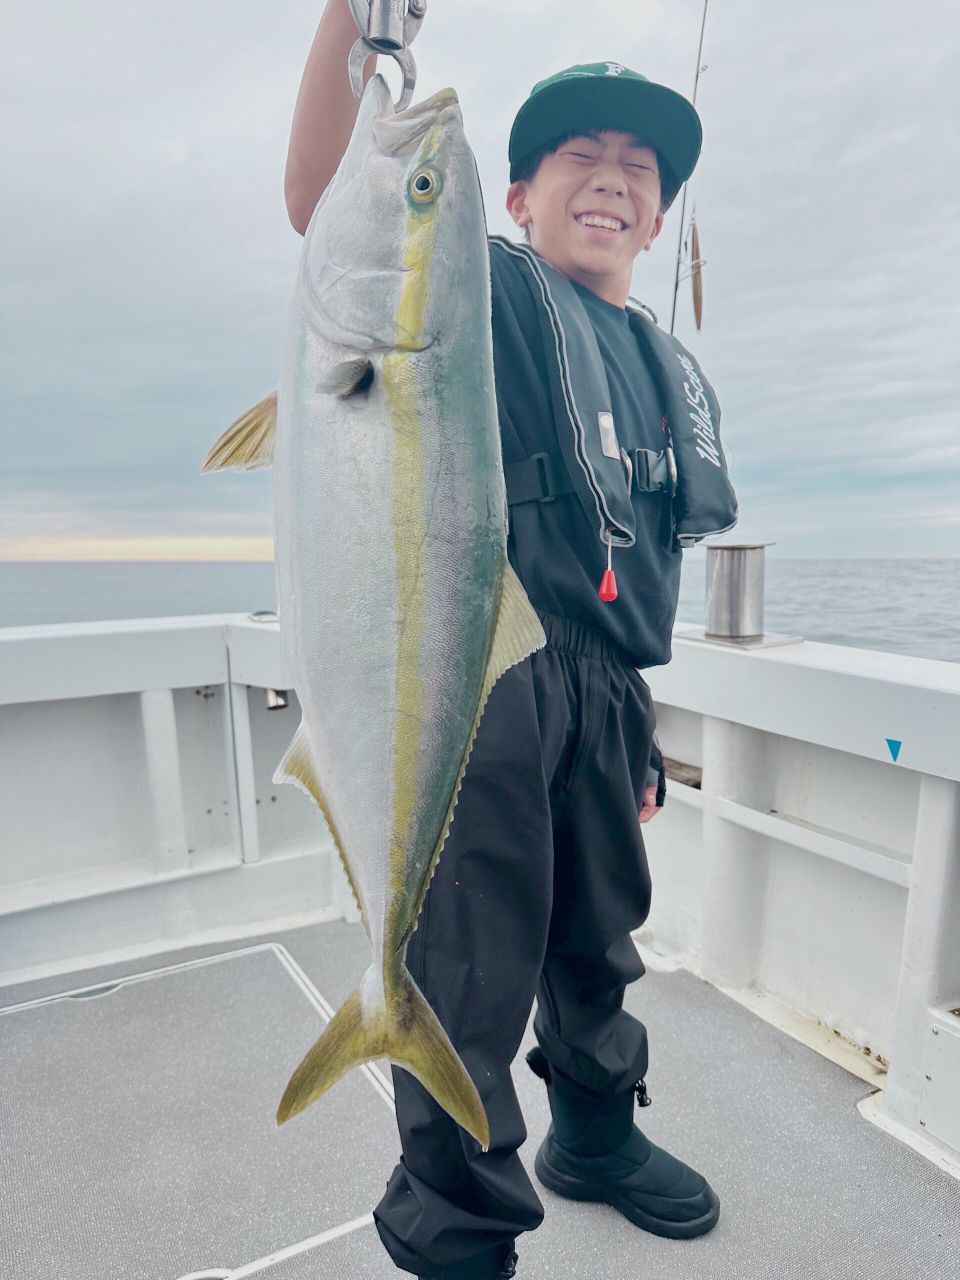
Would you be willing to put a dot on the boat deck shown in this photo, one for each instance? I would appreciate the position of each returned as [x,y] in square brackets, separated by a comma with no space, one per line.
[139,1140]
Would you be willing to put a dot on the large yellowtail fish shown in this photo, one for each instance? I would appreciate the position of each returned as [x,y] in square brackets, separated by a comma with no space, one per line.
[398,608]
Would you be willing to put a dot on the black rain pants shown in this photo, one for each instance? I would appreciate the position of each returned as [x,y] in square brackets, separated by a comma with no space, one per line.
[543,877]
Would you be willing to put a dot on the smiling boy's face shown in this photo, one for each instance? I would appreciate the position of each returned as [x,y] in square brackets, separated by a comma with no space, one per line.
[608,174]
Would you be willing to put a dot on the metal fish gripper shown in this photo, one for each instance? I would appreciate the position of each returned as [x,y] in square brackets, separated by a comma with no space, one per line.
[386,27]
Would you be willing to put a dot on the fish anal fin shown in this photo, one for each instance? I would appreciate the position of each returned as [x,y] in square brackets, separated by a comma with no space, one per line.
[405,1030]
[248,442]
[297,767]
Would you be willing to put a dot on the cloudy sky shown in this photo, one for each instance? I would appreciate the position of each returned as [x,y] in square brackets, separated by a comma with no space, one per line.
[148,260]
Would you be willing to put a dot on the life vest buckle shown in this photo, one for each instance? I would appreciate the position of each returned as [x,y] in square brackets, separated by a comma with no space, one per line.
[544,465]
[654,471]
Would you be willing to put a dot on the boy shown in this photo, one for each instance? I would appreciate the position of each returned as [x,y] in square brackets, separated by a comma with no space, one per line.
[544,874]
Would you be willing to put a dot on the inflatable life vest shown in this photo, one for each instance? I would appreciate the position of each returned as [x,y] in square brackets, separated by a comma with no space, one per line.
[691,469]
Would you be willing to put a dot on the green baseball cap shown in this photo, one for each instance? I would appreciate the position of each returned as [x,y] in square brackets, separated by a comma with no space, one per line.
[608,95]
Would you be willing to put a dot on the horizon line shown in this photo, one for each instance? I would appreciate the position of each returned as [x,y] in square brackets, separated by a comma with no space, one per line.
[232,549]
[166,548]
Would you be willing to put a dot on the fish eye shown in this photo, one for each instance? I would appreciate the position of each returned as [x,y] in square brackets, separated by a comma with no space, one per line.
[425,186]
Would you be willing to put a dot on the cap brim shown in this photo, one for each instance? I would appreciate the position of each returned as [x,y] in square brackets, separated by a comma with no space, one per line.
[664,119]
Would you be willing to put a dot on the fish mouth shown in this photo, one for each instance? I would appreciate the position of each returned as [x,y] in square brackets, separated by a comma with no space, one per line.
[398,133]
[436,102]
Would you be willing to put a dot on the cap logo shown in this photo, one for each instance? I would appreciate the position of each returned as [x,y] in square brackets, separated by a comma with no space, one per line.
[615,69]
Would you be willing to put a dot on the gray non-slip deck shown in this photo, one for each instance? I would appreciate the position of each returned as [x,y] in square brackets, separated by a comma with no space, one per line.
[138,1126]
[138,1140]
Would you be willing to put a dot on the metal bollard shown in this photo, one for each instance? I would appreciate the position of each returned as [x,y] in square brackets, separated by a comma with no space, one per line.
[734,599]
[734,590]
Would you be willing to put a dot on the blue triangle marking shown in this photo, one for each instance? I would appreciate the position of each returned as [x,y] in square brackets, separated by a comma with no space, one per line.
[894,746]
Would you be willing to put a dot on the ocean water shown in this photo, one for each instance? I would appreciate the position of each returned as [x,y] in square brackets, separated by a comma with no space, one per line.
[899,606]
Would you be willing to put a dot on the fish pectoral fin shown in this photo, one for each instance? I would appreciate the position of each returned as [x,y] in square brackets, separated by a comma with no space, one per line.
[348,378]
[247,444]
[298,768]
[408,1032]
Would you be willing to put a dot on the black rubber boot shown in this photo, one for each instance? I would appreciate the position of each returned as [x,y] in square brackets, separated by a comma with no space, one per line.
[594,1151]
[493,1264]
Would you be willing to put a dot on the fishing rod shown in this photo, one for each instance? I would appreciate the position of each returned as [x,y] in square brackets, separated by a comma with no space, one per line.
[683,203]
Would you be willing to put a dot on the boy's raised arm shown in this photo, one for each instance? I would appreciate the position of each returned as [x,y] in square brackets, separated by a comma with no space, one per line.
[325,113]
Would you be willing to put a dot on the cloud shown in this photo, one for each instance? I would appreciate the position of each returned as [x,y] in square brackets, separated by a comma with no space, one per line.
[150,260]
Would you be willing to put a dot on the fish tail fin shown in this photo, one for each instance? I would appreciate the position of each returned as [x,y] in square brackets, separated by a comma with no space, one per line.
[345,1043]
[419,1043]
[405,1030]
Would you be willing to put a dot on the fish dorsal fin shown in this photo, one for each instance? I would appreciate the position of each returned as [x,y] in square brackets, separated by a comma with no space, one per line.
[298,768]
[247,443]
[517,634]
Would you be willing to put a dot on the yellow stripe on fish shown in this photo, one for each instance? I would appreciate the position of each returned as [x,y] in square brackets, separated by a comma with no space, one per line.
[409,519]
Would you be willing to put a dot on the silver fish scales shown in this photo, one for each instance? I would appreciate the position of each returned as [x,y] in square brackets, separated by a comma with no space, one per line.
[398,607]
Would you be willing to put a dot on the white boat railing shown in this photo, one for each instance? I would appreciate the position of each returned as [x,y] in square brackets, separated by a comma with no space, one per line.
[811,857]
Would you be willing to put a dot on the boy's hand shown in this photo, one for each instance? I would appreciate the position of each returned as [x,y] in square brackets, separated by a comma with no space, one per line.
[650,807]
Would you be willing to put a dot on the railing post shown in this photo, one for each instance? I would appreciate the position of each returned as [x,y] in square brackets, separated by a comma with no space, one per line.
[923,1084]
[244,772]
[163,775]
[734,867]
